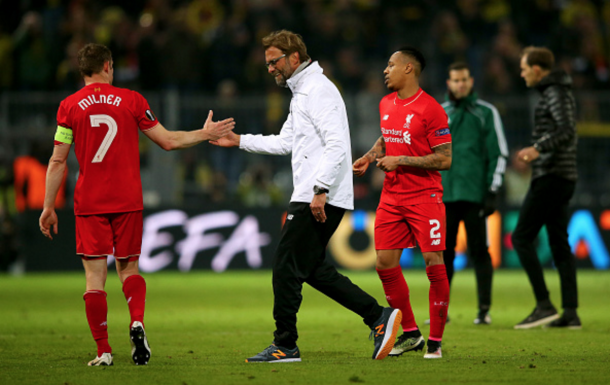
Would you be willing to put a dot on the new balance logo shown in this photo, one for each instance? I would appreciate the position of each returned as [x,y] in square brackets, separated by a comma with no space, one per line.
[385,117]
[129,300]
[408,121]
[436,242]
[278,354]
[289,217]
[407,137]
[104,323]
[379,330]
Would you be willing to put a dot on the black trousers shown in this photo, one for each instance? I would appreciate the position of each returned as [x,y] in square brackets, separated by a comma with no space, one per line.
[476,232]
[546,203]
[301,257]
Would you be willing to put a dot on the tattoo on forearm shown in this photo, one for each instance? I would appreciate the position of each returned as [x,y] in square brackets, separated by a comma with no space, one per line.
[378,150]
[439,160]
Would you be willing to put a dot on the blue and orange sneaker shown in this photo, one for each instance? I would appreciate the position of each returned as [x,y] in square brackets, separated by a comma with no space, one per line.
[276,354]
[384,332]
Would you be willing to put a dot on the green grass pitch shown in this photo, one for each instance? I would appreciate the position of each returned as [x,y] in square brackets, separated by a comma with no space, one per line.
[201,326]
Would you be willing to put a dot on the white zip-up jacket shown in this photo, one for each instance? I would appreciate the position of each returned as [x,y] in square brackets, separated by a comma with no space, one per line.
[316,132]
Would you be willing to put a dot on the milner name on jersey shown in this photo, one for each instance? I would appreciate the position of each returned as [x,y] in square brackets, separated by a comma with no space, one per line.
[97,99]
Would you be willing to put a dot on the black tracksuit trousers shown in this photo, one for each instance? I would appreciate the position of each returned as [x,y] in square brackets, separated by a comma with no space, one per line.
[546,203]
[476,232]
[301,257]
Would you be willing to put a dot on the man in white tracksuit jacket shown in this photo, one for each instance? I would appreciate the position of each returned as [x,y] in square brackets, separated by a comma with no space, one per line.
[316,132]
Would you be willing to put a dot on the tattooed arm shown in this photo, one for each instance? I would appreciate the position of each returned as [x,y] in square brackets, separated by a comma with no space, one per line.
[377,152]
[439,160]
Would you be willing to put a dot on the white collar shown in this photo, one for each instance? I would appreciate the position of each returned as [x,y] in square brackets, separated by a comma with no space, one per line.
[301,72]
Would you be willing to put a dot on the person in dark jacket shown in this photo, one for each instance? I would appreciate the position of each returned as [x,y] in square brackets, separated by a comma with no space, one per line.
[471,185]
[553,159]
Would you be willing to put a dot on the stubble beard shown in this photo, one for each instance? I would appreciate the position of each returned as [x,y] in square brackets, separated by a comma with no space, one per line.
[460,95]
[280,80]
[284,76]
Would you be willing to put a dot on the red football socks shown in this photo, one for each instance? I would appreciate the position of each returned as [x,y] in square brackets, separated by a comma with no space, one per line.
[397,294]
[97,312]
[439,300]
[134,289]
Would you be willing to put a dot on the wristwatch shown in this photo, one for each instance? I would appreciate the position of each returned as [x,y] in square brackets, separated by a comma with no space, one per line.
[317,190]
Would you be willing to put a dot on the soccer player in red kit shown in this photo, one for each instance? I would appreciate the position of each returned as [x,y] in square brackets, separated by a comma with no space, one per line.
[103,123]
[415,144]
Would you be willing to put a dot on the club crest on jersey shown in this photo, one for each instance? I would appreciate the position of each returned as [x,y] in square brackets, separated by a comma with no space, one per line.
[407,137]
[408,121]
[150,115]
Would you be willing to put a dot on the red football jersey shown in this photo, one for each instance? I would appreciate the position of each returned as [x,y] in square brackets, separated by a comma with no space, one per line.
[412,127]
[104,121]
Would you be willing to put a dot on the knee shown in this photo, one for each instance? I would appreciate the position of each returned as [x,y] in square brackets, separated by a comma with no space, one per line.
[96,281]
[433,258]
[562,253]
[480,255]
[383,264]
[519,241]
[559,244]
[388,259]
[126,273]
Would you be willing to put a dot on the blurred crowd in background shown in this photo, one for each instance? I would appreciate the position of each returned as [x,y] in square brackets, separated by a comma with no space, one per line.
[187,56]
[195,45]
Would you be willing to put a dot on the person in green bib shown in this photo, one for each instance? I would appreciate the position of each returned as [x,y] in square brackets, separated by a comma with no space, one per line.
[477,172]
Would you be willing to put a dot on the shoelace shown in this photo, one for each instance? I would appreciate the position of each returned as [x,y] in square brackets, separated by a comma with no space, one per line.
[372,334]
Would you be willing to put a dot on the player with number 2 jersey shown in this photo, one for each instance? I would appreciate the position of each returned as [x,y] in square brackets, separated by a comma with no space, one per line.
[415,144]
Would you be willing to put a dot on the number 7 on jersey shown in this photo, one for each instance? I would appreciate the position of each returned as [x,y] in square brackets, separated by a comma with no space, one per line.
[96,121]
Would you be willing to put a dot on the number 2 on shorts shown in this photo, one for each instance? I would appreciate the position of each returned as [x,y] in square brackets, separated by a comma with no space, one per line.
[434,230]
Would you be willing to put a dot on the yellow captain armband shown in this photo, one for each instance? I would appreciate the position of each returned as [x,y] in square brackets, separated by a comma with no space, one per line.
[63,135]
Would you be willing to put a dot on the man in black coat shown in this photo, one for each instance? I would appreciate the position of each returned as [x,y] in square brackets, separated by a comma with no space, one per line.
[553,159]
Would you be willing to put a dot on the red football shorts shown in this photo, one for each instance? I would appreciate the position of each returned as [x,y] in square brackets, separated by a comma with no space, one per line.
[399,227]
[118,234]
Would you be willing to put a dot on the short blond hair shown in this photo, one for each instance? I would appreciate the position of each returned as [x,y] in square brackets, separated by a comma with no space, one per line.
[287,42]
[540,56]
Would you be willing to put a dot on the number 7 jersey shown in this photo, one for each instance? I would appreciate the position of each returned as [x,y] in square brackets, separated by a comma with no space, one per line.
[104,122]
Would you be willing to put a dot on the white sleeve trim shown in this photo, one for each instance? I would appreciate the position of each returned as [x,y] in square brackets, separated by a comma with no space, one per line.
[498,127]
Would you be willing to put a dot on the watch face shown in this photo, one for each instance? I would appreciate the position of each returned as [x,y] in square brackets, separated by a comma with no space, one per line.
[319,190]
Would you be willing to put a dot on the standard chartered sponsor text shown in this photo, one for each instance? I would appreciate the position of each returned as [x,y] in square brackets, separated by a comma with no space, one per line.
[390,131]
